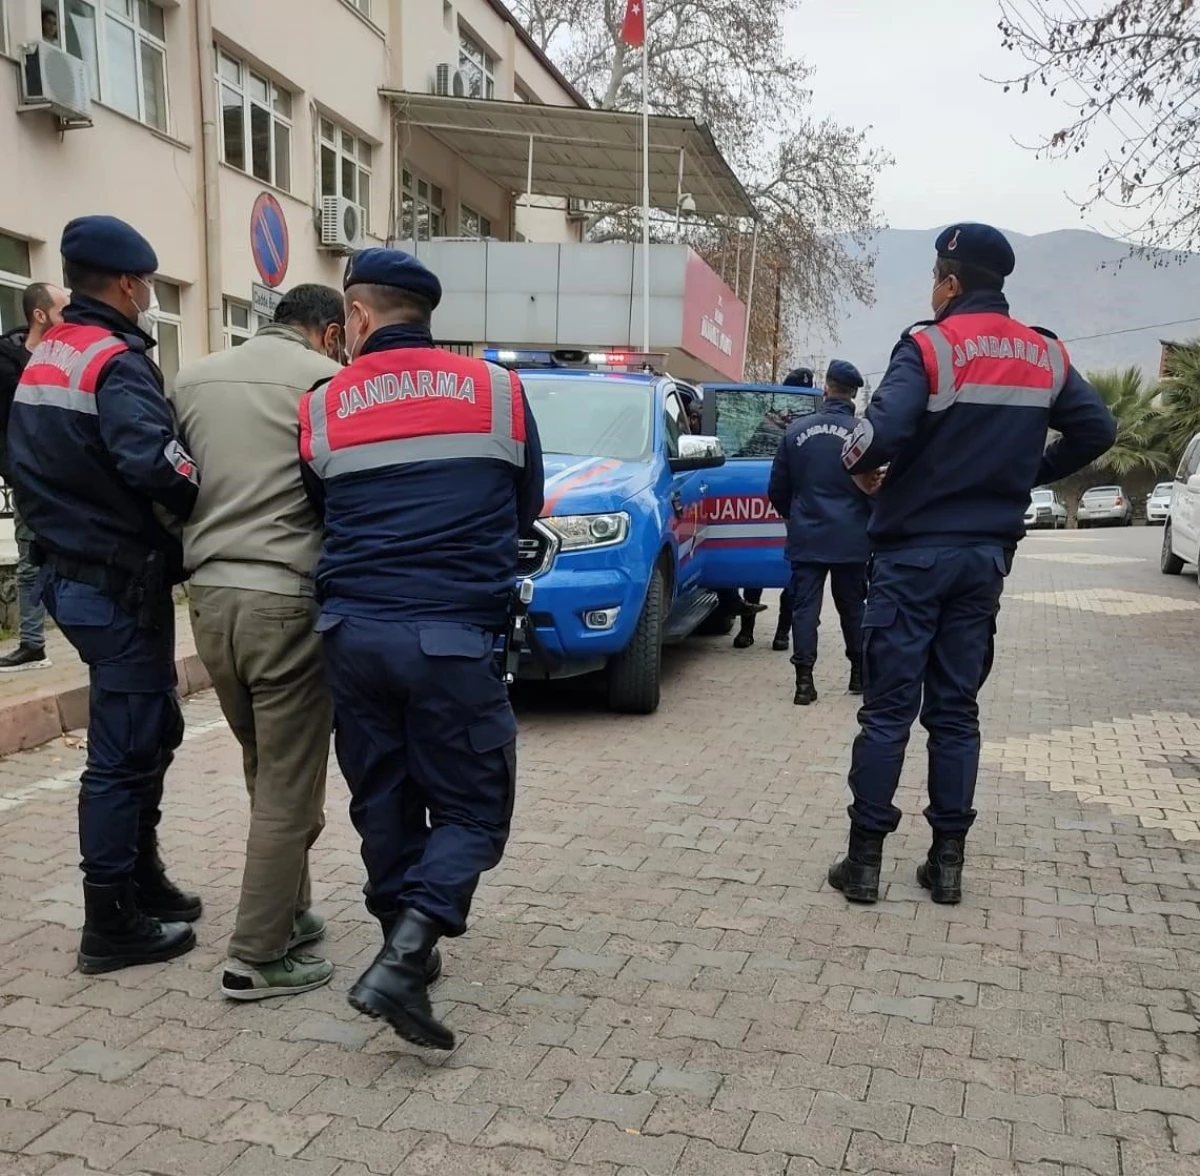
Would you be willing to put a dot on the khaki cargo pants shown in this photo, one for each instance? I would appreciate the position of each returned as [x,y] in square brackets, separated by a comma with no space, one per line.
[265,663]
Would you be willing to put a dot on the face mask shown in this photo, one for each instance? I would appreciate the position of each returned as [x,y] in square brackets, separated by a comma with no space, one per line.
[941,306]
[147,320]
[352,341]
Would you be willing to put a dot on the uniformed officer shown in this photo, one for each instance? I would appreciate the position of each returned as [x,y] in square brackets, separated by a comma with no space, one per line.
[427,467]
[827,518]
[960,422]
[105,483]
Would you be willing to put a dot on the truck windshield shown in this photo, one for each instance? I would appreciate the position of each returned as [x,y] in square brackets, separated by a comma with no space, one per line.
[582,418]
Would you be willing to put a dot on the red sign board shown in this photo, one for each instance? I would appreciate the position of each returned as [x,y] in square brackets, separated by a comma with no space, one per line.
[714,320]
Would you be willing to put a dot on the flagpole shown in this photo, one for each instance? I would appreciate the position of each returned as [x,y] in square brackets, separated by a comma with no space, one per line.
[645,184]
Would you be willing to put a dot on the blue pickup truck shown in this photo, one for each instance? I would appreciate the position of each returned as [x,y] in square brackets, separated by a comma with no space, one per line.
[643,521]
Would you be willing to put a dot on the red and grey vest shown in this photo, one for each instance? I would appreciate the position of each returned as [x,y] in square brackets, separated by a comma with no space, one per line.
[413,404]
[64,369]
[990,359]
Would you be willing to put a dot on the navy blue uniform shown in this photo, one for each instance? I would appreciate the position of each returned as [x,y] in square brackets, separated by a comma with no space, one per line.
[960,420]
[826,517]
[96,461]
[424,491]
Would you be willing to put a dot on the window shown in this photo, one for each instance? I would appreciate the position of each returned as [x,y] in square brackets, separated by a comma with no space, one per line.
[479,66]
[751,423]
[674,423]
[168,329]
[123,45]
[346,167]
[363,6]
[523,95]
[256,123]
[421,213]
[14,277]
[240,322]
[1190,462]
[473,224]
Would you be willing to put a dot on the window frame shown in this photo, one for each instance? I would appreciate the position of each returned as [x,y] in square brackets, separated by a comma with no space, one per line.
[104,11]
[230,330]
[473,56]
[11,280]
[168,318]
[410,184]
[482,235]
[246,75]
[336,142]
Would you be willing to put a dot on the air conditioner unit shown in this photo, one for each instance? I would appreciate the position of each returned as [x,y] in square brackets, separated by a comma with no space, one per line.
[578,209]
[54,81]
[450,81]
[343,225]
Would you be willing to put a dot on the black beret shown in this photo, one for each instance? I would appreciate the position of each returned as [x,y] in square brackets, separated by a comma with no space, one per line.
[846,374]
[395,268]
[108,244]
[799,378]
[982,246]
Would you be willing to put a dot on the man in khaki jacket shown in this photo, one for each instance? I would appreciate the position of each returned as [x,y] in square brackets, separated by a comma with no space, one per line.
[250,547]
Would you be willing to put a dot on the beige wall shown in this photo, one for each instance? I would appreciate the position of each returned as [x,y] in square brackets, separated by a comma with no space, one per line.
[333,61]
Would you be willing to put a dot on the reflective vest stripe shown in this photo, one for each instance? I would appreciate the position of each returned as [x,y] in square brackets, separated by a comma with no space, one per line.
[56,396]
[942,356]
[1011,395]
[498,444]
[86,373]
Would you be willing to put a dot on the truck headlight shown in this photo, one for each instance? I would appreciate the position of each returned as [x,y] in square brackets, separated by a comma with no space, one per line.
[589,531]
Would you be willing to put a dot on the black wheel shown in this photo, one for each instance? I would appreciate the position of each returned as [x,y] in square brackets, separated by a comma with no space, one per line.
[635,674]
[1168,562]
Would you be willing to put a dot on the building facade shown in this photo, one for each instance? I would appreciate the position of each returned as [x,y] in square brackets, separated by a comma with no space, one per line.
[250,142]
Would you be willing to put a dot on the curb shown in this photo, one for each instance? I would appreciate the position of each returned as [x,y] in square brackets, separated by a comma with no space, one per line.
[34,721]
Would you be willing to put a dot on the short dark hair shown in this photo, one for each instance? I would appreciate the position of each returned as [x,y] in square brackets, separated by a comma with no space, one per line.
[37,297]
[84,280]
[398,305]
[833,388]
[970,277]
[311,307]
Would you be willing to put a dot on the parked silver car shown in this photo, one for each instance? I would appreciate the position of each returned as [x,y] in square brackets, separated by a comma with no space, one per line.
[1045,509]
[1158,505]
[1103,505]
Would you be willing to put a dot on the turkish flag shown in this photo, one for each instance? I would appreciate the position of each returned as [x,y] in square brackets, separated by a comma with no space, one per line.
[633,31]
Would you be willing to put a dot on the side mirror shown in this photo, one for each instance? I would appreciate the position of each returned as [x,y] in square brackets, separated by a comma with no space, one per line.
[1193,482]
[697,453]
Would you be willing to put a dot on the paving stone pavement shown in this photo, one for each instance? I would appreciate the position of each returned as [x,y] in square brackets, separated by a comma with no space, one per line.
[658,981]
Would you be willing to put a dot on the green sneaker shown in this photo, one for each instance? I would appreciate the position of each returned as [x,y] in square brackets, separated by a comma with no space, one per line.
[286,977]
[308,928]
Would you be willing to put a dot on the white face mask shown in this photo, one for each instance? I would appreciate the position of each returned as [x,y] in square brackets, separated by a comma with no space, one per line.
[147,320]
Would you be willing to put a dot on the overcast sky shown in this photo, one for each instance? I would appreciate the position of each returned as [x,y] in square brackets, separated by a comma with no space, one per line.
[915,70]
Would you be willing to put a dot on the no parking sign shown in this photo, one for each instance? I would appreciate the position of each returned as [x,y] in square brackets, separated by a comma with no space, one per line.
[269,240]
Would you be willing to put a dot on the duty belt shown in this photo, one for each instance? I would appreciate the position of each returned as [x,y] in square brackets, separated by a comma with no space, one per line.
[138,592]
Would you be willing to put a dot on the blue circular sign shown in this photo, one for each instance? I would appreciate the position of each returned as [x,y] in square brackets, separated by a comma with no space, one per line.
[269,240]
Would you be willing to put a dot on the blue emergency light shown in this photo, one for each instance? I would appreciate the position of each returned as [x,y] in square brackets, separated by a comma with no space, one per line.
[611,360]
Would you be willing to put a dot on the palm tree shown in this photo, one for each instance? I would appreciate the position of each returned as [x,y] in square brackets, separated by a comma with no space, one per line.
[1140,423]
[1181,395]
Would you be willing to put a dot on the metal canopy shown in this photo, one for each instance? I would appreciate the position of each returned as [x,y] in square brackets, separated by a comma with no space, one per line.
[584,154]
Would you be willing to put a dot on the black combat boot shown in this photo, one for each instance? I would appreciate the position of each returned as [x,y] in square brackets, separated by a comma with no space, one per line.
[856,681]
[941,872]
[745,635]
[118,934]
[394,988]
[783,635]
[857,874]
[433,962]
[157,895]
[806,690]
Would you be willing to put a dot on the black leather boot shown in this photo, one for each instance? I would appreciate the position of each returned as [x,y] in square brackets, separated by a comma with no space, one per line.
[117,933]
[745,635]
[806,690]
[857,874]
[433,962]
[941,872]
[783,635]
[394,988]
[157,895]
[856,681]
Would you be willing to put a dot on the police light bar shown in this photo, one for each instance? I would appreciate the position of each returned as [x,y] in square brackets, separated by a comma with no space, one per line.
[633,361]
[614,360]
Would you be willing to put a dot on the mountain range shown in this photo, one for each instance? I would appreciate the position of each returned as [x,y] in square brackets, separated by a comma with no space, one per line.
[1111,308]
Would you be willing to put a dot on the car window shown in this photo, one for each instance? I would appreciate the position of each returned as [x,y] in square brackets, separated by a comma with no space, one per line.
[751,422]
[1162,488]
[1103,492]
[1181,474]
[1193,459]
[581,418]
[1043,497]
[674,422]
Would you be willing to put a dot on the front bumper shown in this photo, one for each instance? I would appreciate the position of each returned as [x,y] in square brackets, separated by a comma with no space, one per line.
[1158,512]
[1113,514]
[1041,518]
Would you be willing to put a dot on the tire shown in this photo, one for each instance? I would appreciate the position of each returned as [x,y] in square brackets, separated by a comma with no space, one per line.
[1168,562]
[635,674]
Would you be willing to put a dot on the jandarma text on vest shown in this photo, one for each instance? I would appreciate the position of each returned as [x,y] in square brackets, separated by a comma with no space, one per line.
[392,386]
[995,347]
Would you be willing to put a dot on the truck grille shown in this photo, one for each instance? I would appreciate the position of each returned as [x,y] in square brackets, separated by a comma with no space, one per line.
[535,552]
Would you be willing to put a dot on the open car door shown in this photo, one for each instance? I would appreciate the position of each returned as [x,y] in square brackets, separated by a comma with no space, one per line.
[741,537]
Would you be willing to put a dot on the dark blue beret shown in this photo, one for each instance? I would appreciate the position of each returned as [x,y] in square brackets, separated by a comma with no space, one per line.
[799,378]
[395,268]
[846,374]
[977,245]
[107,244]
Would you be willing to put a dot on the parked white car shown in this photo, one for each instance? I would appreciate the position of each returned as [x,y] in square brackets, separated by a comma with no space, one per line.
[1045,509]
[1158,505]
[1181,536]
[1104,506]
